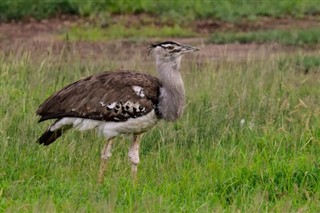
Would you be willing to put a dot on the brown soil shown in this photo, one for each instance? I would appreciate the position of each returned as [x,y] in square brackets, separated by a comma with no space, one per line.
[40,37]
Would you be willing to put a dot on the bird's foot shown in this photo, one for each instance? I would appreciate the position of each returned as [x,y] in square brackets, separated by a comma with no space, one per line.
[134,169]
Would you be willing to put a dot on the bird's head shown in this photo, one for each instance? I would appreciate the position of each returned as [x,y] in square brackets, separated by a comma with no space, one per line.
[169,50]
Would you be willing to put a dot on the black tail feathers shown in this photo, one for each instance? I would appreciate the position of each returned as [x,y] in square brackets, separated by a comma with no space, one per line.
[49,137]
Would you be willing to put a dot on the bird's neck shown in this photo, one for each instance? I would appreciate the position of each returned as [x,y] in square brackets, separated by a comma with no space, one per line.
[172,93]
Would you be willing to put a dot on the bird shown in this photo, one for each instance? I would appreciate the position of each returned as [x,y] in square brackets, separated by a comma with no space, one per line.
[120,102]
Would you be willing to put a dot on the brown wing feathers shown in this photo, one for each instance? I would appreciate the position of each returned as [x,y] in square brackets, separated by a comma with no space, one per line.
[107,96]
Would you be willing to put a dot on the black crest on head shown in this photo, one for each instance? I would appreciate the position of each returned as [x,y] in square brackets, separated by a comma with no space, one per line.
[163,43]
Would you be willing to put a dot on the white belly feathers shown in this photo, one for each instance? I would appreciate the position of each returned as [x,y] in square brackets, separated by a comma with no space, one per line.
[110,129]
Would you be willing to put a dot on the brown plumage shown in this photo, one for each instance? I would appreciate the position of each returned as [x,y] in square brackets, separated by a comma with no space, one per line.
[123,102]
[90,97]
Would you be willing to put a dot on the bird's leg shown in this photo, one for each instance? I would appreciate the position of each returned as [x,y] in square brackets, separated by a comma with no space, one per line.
[105,155]
[134,155]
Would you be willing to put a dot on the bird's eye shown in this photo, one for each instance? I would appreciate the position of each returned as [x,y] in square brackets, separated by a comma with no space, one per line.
[170,47]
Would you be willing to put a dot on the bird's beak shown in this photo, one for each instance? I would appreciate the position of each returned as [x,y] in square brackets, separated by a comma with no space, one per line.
[188,49]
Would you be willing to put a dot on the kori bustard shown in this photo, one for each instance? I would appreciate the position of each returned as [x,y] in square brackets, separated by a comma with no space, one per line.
[122,102]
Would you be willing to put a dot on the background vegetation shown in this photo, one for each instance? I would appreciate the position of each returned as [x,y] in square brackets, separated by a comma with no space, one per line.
[228,10]
[298,37]
[141,19]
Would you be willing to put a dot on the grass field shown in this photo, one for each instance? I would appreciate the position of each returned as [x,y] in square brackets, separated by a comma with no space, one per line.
[132,33]
[179,10]
[297,37]
[294,37]
[249,141]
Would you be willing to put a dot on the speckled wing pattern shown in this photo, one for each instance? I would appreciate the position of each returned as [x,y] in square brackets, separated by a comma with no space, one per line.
[107,96]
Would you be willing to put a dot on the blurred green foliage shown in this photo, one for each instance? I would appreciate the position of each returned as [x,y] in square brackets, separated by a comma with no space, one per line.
[119,31]
[297,37]
[227,10]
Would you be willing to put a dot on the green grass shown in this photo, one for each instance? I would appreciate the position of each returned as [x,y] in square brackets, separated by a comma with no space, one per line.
[310,64]
[249,141]
[179,10]
[119,31]
[295,37]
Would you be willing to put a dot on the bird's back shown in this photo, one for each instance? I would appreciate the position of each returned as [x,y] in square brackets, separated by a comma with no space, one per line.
[108,96]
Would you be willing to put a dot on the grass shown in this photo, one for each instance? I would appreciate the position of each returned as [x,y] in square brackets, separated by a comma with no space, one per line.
[293,37]
[180,10]
[248,141]
[310,64]
[297,37]
[119,31]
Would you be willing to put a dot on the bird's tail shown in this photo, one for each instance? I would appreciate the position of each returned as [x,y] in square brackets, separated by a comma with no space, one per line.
[49,136]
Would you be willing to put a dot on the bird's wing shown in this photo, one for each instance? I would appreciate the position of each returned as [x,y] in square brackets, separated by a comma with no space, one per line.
[108,96]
